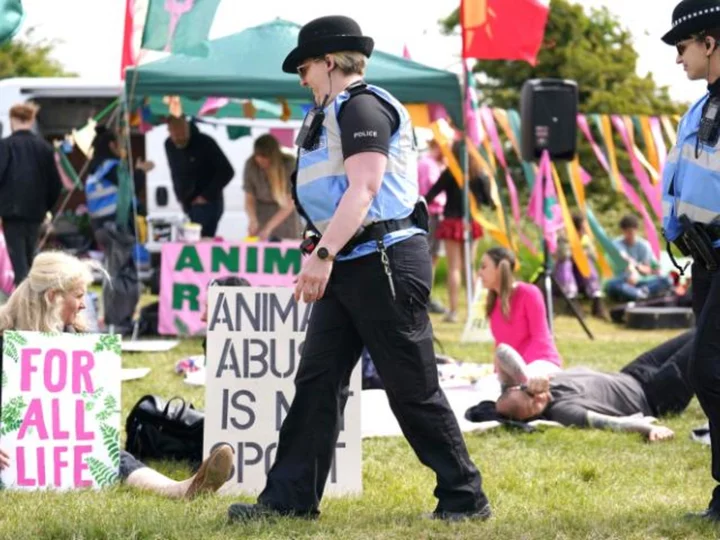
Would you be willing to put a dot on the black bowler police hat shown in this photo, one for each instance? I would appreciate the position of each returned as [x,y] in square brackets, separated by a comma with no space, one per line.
[327,35]
[692,17]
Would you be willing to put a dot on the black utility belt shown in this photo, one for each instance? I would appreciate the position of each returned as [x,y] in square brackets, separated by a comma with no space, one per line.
[371,233]
[696,241]
[374,232]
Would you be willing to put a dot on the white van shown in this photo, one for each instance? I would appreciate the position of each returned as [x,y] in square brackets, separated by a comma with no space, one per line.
[67,103]
[161,202]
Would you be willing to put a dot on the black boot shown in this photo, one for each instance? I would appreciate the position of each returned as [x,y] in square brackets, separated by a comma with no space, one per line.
[710,515]
[481,515]
[249,512]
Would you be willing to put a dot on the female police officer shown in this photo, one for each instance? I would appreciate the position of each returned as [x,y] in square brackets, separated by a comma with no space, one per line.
[369,275]
[691,204]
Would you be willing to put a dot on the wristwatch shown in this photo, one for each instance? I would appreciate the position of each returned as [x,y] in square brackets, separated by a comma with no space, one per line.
[324,255]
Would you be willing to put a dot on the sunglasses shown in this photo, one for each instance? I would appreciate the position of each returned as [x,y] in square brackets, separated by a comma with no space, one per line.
[682,46]
[303,69]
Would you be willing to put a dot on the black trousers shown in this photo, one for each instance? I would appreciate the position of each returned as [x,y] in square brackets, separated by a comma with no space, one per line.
[663,374]
[207,215]
[21,238]
[358,309]
[705,361]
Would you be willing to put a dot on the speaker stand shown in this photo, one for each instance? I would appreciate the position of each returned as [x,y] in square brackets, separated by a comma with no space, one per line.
[548,280]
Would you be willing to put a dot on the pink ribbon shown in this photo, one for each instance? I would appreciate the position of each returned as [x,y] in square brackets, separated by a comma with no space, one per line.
[536,205]
[284,136]
[632,195]
[585,177]
[213,105]
[437,112]
[489,121]
[653,193]
[491,129]
[471,117]
[66,181]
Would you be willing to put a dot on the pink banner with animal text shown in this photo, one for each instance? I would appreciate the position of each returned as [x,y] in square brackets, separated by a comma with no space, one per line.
[187,269]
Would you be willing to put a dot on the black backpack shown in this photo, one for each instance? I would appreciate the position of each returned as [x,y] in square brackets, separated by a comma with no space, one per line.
[157,430]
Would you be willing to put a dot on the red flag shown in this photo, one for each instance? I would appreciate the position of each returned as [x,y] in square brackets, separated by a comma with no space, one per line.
[128,54]
[503,29]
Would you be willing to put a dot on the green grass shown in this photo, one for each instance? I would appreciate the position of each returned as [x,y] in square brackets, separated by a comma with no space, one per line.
[557,483]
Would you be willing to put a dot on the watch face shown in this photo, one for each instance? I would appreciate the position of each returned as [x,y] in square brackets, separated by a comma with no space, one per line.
[323,253]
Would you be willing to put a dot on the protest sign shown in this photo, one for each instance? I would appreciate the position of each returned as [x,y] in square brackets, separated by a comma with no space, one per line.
[60,415]
[477,327]
[186,271]
[255,337]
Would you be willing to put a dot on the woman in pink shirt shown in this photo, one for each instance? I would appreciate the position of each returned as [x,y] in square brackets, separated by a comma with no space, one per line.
[516,311]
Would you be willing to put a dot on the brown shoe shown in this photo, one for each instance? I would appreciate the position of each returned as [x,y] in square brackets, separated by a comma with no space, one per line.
[213,472]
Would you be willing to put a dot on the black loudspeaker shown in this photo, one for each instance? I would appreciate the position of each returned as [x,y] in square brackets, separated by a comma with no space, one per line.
[548,109]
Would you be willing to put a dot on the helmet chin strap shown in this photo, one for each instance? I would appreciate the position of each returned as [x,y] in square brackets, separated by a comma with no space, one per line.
[327,96]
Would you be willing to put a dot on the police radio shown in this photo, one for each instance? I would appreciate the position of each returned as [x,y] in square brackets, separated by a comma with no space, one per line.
[709,131]
[309,133]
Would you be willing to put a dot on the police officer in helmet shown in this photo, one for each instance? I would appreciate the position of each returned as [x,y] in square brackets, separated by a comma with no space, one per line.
[691,205]
[368,271]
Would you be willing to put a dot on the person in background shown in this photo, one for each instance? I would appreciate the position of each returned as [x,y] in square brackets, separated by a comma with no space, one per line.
[518,321]
[568,275]
[200,171]
[655,384]
[51,299]
[29,187]
[642,277]
[268,199]
[452,226]
[121,291]
[101,187]
[430,166]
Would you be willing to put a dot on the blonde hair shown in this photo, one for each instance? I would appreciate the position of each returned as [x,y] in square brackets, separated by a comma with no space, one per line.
[504,259]
[350,62]
[31,308]
[25,112]
[268,147]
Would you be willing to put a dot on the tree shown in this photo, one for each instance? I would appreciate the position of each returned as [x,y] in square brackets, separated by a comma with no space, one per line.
[594,50]
[28,58]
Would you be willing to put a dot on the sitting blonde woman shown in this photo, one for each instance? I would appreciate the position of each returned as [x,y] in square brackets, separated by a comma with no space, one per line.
[51,299]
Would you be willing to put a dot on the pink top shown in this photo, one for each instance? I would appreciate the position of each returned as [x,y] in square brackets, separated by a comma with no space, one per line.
[527,329]
[429,171]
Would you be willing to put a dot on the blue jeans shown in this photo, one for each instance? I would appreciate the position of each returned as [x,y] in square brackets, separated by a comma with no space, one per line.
[208,216]
[619,288]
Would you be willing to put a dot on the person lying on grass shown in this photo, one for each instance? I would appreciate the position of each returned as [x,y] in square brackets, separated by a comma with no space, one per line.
[51,299]
[653,385]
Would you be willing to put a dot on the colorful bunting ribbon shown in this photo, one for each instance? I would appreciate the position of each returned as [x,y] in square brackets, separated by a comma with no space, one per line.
[632,195]
[656,131]
[578,253]
[457,173]
[652,194]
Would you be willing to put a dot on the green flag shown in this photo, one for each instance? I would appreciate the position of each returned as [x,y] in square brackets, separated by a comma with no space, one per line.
[11,18]
[179,26]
